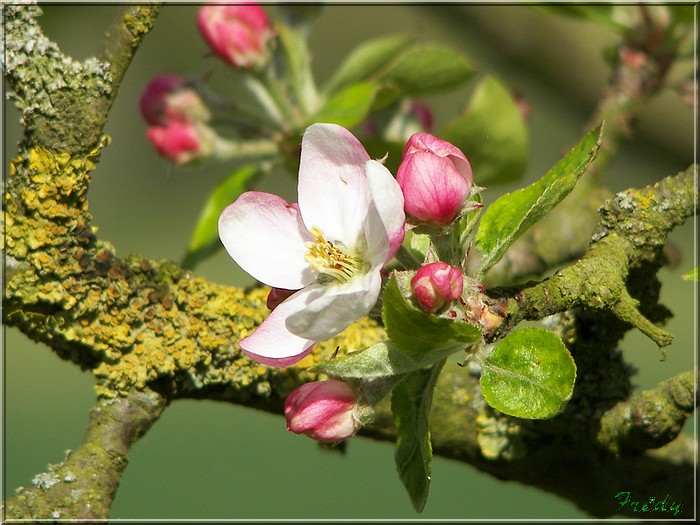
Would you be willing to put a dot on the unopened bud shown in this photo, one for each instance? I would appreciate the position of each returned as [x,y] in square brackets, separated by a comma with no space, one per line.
[436,284]
[182,142]
[436,179]
[239,34]
[324,410]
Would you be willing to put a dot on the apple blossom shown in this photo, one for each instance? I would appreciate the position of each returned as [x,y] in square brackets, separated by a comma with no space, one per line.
[330,247]
[436,284]
[435,177]
[323,410]
[237,33]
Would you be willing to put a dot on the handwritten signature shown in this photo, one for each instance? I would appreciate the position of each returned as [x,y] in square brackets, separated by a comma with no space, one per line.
[651,504]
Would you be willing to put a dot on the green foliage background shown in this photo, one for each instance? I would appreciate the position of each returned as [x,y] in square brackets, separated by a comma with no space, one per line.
[212,460]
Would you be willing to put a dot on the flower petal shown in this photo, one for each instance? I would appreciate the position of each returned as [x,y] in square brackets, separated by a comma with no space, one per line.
[265,236]
[333,194]
[337,307]
[272,343]
[387,198]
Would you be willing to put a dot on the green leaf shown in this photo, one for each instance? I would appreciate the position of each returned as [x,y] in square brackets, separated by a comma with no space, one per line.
[492,134]
[366,59]
[529,374]
[379,361]
[349,107]
[513,213]
[410,405]
[422,71]
[205,238]
[422,336]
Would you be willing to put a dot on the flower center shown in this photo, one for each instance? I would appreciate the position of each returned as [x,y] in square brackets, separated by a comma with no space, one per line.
[331,260]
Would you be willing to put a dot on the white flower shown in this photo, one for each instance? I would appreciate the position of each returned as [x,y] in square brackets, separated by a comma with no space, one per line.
[330,246]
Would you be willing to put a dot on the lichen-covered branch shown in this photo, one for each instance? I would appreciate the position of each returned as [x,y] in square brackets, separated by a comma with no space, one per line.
[652,418]
[82,486]
[630,237]
[130,26]
[64,102]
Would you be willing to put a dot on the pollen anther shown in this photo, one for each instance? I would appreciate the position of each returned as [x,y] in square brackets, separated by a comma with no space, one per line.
[331,259]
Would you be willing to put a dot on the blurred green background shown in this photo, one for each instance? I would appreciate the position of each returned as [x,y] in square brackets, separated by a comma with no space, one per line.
[211,460]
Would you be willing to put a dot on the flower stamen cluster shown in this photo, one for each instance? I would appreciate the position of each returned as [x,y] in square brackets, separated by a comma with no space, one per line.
[331,259]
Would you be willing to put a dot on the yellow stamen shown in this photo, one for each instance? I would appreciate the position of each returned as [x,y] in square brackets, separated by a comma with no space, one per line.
[331,260]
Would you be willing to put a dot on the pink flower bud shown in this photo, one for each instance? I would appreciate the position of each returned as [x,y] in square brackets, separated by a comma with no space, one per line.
[436,284]
[237,33]
[167,98]
[435,177]
[323,410]
[181,142]
[152,103]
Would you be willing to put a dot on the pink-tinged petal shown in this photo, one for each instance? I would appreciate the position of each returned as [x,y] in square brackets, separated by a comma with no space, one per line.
[388,201]
[272,343]
[333,194]
[265,236]
[327,314]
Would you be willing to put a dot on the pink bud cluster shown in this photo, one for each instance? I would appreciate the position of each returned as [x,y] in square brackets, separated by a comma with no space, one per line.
[177,119]
[239,34]
[323,410]
[436,179]
[436,284]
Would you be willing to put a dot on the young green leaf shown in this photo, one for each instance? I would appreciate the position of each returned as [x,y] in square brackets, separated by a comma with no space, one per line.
[349,107]
[366,59]
[422,71]
[492,133]
[420,335]
[205,238]
[379,361]
[529,374]
[513,213]
[410,405]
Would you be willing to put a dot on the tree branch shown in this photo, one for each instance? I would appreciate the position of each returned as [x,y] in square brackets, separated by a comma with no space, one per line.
[64,103]
[630,237]
[83,485]
[651,419]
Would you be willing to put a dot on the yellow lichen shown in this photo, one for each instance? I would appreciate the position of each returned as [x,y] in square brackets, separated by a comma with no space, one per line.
[132,322]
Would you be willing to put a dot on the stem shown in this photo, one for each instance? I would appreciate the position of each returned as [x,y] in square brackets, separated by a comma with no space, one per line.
[244,150]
